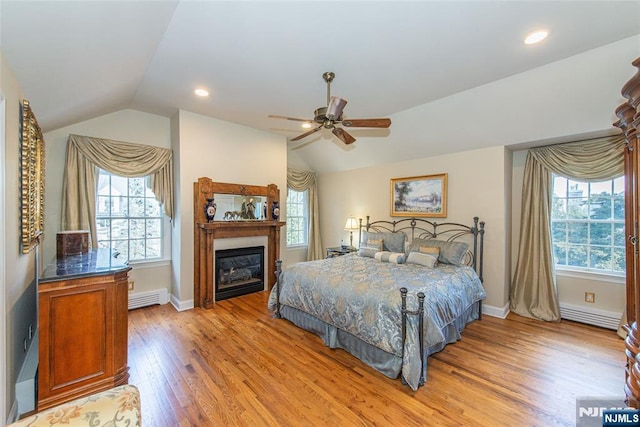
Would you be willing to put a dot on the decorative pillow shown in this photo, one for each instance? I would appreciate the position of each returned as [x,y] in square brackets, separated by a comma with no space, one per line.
[427,260]
[414,245]
[394,257]
[375,243]
[367,252]
[431,250]
[393,242]
[450,252]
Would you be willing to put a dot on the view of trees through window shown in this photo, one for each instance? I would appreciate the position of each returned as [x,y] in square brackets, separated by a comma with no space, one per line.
[587,221]
[128,217]
[296,217]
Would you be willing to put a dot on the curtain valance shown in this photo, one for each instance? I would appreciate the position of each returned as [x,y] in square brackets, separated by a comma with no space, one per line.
[131,161]
[86,154]
[592,160]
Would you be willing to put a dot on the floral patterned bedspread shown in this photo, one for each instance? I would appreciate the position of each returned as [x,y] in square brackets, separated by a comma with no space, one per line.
[362,296]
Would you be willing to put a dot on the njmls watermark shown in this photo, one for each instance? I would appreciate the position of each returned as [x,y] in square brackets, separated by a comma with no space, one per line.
[605,412]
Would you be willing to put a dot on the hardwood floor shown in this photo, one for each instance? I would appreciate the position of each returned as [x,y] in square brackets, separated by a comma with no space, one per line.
[237,365]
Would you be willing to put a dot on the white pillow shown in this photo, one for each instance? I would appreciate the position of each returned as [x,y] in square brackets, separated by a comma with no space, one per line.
[394,257]
[368,252]
[373,243]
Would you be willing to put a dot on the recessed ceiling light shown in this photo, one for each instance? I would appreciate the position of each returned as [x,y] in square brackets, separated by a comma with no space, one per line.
[536,37]
[201,92]
[306,125]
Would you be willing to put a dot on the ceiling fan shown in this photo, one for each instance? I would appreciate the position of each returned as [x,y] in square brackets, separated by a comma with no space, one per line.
[331,115]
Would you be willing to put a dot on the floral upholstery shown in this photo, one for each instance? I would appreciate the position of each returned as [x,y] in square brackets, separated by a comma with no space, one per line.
[119,406]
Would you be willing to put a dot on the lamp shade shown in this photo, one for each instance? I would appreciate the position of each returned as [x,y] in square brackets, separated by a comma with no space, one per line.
[335,107]
[351,224]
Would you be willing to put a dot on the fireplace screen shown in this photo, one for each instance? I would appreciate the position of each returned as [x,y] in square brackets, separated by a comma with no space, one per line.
[239,271]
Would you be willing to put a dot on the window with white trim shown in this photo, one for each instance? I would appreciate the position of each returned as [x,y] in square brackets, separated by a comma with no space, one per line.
[587,223]
[129,219]
[297,217]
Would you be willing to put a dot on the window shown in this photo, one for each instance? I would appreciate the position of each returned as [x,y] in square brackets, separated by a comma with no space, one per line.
[587,223]
[128,217]
[297,214]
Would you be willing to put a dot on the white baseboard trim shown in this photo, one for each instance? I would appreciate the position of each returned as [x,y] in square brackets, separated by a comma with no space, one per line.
[181,305]
[493,311]
[592,316]
[143,299]
[12,417]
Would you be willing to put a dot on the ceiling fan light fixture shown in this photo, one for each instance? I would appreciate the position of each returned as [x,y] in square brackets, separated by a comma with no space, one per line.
[536,37]
[306,125]
[335,107]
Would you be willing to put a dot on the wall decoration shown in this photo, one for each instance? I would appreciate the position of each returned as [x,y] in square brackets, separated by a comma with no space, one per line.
[420,196]
[31,179]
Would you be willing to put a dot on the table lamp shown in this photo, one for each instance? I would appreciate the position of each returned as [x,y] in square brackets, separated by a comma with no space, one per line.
[350,226]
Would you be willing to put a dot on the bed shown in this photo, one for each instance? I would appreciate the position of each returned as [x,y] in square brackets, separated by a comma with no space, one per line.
[410,290]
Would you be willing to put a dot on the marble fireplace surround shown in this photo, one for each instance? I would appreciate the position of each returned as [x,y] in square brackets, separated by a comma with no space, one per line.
[209,235]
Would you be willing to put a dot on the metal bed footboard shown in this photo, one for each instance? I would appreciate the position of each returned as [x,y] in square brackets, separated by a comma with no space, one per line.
[277,314]
[420,313]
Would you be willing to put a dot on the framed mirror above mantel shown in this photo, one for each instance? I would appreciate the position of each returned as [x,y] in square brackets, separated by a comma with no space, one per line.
[251,222]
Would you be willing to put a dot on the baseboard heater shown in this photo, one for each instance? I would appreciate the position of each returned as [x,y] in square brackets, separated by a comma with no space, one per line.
[591,316]
[144,299]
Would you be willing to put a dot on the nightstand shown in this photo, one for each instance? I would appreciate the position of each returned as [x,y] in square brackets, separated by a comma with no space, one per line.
[340,250]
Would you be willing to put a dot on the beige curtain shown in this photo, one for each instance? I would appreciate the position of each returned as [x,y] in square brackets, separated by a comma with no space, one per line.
[533,290]
[301,181]
[86,154]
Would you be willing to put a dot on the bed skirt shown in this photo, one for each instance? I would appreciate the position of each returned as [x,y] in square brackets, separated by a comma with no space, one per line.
[380,360]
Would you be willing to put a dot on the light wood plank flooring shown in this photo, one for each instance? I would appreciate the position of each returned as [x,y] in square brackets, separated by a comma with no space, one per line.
[237,365]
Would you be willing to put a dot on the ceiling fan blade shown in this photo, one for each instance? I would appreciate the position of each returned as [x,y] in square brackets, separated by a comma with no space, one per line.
[273,116]
[335,107]
[343,136]
[367,123]
[304,135]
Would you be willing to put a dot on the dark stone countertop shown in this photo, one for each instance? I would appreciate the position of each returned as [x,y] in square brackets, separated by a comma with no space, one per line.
[93,263]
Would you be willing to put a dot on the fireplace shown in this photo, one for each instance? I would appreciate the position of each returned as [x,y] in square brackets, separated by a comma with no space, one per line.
[209,236]
[239,271]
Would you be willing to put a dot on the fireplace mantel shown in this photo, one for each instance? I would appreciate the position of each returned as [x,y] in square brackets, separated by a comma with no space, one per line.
[205,234]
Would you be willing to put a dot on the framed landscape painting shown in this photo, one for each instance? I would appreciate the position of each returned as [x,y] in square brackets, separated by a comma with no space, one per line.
[420,196]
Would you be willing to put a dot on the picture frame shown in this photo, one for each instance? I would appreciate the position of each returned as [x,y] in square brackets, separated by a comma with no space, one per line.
[419,196]
[31,179]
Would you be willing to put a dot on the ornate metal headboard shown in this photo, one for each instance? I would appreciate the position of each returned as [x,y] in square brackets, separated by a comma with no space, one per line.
[418,228]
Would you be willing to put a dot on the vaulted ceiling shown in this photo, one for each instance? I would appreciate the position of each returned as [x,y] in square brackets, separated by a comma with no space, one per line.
[76,60]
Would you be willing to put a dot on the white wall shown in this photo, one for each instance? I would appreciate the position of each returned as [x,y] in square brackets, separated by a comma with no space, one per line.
[224,152]
[21,268]
[476,187]
[573,96]
[127,126]
[610,291]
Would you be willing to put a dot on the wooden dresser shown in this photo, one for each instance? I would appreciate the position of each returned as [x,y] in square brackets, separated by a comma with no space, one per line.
[82,315]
